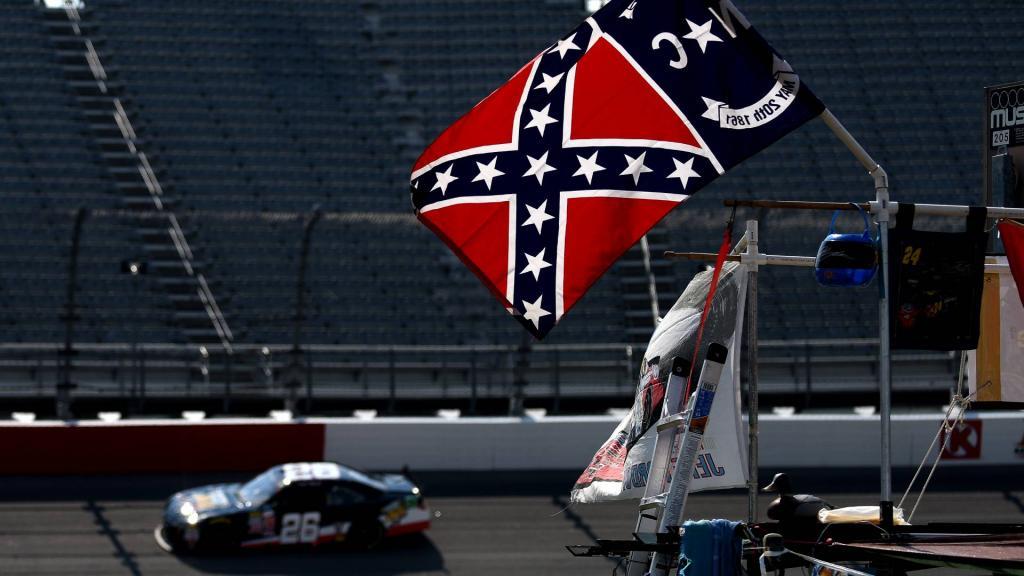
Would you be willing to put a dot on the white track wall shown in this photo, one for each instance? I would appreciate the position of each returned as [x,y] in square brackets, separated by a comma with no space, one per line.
[559,443]
[551,443]
[464,444]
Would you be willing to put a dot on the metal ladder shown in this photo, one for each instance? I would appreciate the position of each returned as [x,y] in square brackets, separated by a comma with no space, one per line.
[679,436]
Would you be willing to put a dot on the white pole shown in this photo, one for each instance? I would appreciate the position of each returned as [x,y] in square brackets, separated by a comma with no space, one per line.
[881,211]
[652,286]
[884,354]
[751,262]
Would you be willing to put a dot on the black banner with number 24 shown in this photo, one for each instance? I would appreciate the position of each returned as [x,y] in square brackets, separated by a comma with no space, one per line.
[936,280]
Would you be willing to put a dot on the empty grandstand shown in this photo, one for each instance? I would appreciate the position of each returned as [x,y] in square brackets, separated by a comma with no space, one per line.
[199,137]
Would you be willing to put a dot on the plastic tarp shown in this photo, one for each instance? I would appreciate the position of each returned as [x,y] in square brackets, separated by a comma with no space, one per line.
[620,468]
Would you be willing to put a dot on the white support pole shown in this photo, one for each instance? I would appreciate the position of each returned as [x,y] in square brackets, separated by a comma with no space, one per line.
[884,357]
[652,286]
[750,260]
[881,211]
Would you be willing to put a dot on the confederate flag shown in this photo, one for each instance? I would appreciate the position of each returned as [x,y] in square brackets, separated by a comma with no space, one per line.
[551,178]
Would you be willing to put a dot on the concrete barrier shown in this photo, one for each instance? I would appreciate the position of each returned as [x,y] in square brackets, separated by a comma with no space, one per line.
[132,447]
[550,443]
[466,444]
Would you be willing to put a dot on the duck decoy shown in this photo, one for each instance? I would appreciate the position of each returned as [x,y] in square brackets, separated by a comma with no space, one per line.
[789,507]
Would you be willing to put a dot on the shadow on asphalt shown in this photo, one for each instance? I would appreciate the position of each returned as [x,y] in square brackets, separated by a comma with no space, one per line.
[161,486]
[414,553]
[103,523]
[487,483]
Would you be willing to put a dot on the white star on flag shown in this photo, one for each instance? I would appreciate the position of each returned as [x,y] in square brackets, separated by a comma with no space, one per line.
[539,167]
[684,171]
[444,179]
[533,312]
[564,46]
[535,264]
[538,216]
[488,172]
[628,12]
[588,166]
[550,82]
[635,167]
[702,34]
[540,119]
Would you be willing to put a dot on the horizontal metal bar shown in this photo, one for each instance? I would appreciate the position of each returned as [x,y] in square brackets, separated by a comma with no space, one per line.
[818,342]
[698,256]
[778,260]
[951,210]
[959,211]
[796,204]
[770,259]
[215,349]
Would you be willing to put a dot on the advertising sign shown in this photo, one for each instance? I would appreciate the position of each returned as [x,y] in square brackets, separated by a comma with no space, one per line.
[1004,145]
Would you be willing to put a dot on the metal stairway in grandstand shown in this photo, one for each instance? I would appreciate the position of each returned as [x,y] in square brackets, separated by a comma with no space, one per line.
[635,281]
[147,204]
[407,128]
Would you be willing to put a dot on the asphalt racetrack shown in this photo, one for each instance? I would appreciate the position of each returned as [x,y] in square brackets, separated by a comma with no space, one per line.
[105,526]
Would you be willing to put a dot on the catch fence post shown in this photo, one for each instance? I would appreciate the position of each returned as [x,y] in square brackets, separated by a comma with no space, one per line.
[309,382]
[472,381]
[807,376]
[142,380]
[227,381]
[558,383]
[629,364]
[391,380]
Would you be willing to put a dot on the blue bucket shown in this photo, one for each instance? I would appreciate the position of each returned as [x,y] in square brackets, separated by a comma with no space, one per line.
[846,259]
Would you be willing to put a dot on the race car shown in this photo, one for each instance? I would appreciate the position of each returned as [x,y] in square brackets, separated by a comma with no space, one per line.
[298,504]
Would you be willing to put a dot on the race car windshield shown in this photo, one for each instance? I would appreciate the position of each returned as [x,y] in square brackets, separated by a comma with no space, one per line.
[261,488]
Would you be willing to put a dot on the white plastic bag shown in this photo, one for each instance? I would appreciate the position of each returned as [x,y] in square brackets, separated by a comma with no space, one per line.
[853,514]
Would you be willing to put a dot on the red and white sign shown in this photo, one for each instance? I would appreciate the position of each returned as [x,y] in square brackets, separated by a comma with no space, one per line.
[964,441]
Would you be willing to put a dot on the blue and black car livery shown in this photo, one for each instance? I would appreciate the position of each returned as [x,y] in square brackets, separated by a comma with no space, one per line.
[297,504]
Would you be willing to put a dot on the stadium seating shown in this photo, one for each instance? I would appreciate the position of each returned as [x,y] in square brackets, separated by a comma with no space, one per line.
[255,112]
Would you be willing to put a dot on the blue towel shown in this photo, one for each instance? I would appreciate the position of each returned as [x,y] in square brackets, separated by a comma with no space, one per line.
[709,548]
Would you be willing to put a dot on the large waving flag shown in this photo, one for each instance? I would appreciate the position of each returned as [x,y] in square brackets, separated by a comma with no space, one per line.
[553,176]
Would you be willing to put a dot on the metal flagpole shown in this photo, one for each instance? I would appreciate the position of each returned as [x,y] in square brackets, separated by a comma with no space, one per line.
[880,208]
[751,261]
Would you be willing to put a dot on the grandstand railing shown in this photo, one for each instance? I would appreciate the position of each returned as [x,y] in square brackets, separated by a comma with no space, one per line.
[402,372]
